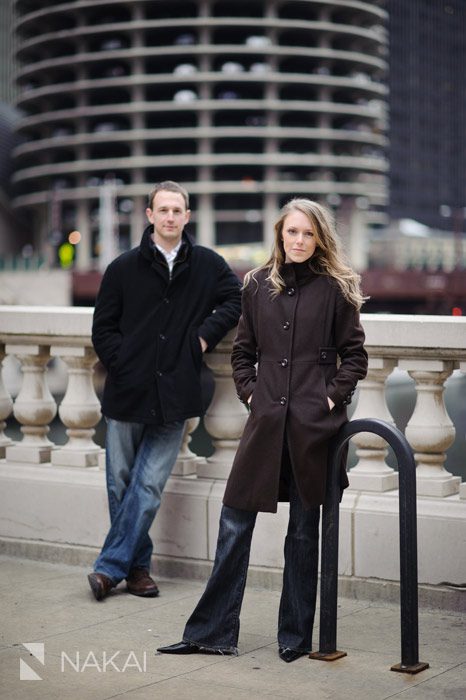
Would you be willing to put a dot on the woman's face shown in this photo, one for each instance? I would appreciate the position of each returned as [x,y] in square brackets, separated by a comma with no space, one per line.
[298,237]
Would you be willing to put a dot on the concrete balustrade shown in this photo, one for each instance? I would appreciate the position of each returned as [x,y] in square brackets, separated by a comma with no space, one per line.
[226,415]
[462,368]
[56,494]
[428,348]
[6,407]
[187,462]
[34,407]
[79,410]
[372,473]
[430,430]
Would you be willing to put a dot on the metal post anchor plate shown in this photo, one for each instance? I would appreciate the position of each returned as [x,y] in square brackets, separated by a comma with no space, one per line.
[414,668]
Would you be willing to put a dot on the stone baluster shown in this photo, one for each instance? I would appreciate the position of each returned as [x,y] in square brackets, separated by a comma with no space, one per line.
[226,415]
[34,407]
[6,405]
[430,430]
[462,368]
[79,410]
[372,473]
[187,462]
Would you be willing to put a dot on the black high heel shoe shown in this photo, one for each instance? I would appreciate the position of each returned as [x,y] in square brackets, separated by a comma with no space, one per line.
[180,648]
[289,655]
[191,648]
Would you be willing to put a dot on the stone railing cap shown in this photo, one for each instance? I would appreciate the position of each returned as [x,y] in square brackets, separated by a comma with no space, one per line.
[46,320]
[414,331]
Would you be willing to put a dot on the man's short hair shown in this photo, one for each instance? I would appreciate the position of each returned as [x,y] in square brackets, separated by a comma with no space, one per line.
[168,186]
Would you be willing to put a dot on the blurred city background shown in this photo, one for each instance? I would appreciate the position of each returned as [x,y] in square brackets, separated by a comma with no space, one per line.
[360,105]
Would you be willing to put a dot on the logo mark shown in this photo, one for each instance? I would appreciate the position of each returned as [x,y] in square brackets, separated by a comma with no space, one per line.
[37,650]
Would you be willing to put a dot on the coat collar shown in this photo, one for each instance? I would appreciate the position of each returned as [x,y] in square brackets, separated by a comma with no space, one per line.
[297,274]
[149,251]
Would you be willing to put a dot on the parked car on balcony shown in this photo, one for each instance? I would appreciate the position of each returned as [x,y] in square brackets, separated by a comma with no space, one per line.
[259,67]
[185,96]
[62,183]
[256,120]
[360,77]
[185,69]
[228,95]
[62,131]
[185,39]
[258,41]
[93,181]
[111,44]
[106,126]
[232,67]
[114,72]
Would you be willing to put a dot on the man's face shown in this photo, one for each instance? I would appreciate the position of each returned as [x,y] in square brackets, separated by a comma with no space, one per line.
[169,216]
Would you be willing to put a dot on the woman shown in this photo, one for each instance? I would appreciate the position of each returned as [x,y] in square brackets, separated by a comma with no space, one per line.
[299,312]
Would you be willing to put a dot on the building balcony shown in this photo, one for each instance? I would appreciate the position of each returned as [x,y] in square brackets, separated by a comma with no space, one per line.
[90,74]
[53,497]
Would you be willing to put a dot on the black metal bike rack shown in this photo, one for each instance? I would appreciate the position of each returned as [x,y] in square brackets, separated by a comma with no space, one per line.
[408,545]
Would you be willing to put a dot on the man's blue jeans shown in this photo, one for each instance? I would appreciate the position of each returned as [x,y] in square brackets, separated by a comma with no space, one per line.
[140,459]
[214,624]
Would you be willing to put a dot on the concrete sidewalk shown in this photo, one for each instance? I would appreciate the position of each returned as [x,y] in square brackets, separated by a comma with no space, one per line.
[51,605]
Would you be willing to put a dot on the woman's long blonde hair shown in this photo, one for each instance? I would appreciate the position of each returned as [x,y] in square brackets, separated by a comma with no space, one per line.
[328,258]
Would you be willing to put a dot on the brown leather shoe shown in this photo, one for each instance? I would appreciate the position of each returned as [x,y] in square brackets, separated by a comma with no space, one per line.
[140,583]
[100,584]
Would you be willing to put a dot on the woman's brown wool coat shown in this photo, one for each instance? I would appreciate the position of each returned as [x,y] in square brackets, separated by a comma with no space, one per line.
[294,338]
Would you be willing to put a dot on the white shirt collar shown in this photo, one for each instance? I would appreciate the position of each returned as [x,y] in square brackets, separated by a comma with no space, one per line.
[169,255]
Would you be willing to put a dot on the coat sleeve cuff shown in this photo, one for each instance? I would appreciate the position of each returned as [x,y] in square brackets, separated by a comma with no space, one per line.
[338,398]
[204,331]
[246,390]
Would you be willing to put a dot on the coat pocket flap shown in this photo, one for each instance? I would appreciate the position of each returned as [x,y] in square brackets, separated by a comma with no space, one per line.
[327,356]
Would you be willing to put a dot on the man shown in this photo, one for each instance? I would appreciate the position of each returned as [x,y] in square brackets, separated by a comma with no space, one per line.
[160,306]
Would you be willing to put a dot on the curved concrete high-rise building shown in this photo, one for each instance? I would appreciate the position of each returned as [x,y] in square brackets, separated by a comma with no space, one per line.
[244,102]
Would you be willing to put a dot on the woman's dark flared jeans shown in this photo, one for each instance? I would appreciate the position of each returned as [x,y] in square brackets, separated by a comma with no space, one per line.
[214,624]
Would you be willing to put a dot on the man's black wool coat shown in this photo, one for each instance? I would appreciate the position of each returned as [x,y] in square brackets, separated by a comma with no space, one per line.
[146,329]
